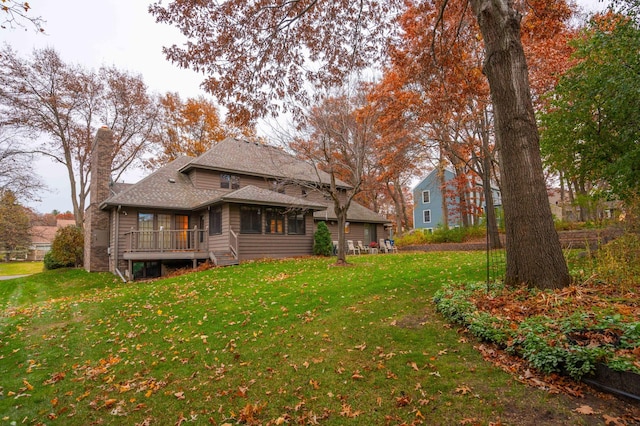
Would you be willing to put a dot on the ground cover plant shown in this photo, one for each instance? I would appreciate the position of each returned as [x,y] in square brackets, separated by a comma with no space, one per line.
[273,342]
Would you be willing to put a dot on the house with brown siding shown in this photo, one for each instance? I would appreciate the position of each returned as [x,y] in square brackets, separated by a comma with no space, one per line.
[238,201]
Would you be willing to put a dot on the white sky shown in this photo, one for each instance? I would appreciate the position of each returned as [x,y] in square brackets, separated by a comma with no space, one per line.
[110,32]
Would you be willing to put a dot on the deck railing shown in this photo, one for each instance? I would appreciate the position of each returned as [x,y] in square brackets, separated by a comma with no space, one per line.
[233,243]
[167,240]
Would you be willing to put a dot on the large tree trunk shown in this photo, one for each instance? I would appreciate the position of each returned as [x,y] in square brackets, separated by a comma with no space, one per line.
[341,214]
[445,200]
[534,254]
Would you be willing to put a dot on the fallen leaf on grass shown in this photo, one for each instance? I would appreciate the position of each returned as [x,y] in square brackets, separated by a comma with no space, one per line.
[615,421]
[349,412]
[403,401]
[179,395]
[357,376]
[463,390]
[584,409]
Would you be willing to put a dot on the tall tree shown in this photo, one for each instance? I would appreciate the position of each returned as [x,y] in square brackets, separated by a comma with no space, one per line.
[398,149]
[187,127]
[255,52]
[592,126]
[62,106]
[337,137]
[22,181]
[14,225]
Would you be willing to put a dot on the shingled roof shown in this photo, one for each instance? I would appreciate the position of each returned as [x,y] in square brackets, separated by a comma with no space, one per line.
[256,159]
[356,213]
[165,188]
[253,195]
[171,188]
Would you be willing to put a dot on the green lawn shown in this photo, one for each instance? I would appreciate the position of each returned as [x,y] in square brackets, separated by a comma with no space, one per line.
[275,342]
[20,268]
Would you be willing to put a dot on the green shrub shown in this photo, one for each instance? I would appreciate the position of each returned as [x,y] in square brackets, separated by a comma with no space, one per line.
[413,238]
[619,261]
[440,235]
[322,244]
[50,262]
[67,248]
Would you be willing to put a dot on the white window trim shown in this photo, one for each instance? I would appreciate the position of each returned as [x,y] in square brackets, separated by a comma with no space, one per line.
[428,192]
[423,212]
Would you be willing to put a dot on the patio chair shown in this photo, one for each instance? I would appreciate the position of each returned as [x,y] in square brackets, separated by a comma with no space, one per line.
[352,248]
[382,246]
[363,248]
[390,248]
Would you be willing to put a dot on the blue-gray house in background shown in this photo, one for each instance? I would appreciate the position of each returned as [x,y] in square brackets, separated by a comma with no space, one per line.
[427,202]
[428,196]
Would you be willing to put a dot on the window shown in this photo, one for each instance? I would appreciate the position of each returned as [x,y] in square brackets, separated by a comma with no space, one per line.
[274,221]
[215,220]
[145,228]
[250,220]
[426,216]
[426,197]
[347,227]
[277,186]
[229,181]
[296,223]
[148,226]
[182,226]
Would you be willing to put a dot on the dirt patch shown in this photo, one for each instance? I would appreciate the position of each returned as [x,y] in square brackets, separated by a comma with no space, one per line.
[412,321]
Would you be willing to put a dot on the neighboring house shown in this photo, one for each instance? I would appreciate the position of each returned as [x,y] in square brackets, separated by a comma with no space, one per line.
[42,237]
[238,201]
[428,198]
[563,209]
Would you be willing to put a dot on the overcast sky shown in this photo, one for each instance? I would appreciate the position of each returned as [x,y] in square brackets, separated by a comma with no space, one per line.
[108,32]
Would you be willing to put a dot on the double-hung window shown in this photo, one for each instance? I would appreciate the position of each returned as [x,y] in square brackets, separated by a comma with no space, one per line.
[426,216]
[229,181]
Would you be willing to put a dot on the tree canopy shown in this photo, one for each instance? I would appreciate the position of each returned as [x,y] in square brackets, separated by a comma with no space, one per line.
[592,126]
[61,106]
[14,225]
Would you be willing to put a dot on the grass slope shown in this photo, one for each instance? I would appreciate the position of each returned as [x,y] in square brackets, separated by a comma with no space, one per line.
[274,342]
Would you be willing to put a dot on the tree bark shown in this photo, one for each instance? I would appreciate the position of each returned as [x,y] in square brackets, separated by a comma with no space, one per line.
[534,255]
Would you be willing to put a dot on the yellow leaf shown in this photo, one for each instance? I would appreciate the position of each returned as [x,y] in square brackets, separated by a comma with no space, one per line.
[110,402]
[27,384]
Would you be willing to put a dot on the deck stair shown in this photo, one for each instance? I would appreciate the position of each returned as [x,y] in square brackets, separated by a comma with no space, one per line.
[223,258]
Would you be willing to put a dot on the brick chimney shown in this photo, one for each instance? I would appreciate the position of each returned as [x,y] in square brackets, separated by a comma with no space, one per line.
[96,221]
